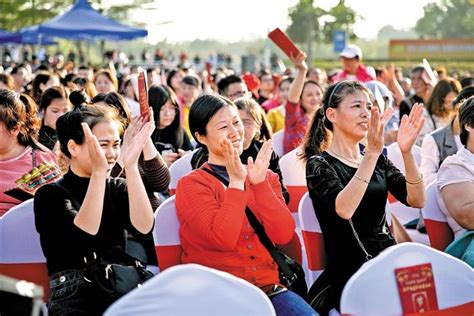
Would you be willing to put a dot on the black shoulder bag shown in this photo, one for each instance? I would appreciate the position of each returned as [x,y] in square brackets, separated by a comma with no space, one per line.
[291,273]
[119,270]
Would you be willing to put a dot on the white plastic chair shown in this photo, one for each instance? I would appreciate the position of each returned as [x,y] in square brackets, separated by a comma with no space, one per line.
[179,168]
[166,235]
[192,289]
[278,142]
[21,256]
[439,232]
[373,290]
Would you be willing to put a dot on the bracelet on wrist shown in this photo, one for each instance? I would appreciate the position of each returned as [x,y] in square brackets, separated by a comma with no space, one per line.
[360,179]
[415,182]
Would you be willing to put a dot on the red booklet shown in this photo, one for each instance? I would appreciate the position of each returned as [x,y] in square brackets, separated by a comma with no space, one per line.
[417,288]
[284,42]
[143,94]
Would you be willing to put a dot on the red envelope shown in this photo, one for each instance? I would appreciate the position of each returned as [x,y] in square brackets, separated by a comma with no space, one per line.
[417,288]
[143,95]
[284,42]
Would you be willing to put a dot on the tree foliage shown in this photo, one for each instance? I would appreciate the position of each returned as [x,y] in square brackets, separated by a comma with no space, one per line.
[310,23]
[447,19]
[16,14]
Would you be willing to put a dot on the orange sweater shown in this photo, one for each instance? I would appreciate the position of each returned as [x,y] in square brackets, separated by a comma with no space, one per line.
[215,231]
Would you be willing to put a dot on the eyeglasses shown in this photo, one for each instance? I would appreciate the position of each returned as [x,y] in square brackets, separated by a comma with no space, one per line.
[238,94]
[170,111]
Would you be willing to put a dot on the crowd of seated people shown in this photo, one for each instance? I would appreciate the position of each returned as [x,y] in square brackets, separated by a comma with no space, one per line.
[115,161]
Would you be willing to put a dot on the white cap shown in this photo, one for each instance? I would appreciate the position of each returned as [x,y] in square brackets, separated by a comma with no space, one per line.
[351,51]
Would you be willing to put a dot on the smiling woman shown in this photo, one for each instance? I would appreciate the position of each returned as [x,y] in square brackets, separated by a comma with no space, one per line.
[349,188]
[215,231]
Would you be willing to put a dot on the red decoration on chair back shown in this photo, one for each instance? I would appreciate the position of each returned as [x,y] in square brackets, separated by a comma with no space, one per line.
[417,288]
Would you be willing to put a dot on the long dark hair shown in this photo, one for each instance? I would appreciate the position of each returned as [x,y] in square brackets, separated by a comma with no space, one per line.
[158,95]
[318,136]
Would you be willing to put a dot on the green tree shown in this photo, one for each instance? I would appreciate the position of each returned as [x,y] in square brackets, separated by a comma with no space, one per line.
[343,18]
[16,14]
[310,24]
[447,19]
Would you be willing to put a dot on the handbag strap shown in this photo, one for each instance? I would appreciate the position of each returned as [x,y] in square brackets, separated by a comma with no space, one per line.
[287,274]
[368,256]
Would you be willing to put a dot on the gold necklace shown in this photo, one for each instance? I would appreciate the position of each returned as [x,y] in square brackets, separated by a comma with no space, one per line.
[343,158]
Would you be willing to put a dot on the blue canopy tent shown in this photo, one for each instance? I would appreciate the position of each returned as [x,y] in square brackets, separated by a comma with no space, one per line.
[82,22]
[21,38]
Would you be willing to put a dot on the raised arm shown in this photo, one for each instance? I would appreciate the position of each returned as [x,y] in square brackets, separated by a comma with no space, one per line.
[90,214]
[296,86]
[410,127]
[348,200]
[141,212]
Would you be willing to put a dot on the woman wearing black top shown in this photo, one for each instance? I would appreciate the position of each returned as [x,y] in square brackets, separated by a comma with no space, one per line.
[349,188]
[87,212]
[169,137]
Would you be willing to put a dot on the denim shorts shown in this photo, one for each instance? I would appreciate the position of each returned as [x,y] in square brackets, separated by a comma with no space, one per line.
[73,294]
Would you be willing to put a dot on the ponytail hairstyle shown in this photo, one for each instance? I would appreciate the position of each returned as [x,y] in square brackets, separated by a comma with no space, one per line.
[318,136]
[256,113]
[19,111]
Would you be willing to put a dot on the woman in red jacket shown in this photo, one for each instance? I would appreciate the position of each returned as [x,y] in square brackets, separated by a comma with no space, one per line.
[215,231]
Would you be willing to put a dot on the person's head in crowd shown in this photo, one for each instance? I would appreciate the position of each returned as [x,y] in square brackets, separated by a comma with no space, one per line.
[442,72]
[351,58]
[173,80]
[441,99]
[6,82]
[105,81]
[152,76]
[165,107]
[311,97]
[345,113]
[190,89]
[20,77]
[105,125]
[467,82]
[79,99]
[86,72]
[128,91]
[86,85]
[118,102]
[256,126]
[405,83]
[283,89]
[421,88]
[318,75]
[267,84]
[213,118]
[19,123]
[232,87]
[68,81]
[53,104]
[375,87]
[42,81]
[466,122]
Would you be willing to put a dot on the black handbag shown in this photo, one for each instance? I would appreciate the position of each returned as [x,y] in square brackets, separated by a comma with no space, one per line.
[290,271]
[115,274]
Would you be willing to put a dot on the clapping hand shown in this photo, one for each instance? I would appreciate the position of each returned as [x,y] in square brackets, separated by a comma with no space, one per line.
[375,139]
[410,127]
[96,155]
[257,171]
[233,165]
[134,140]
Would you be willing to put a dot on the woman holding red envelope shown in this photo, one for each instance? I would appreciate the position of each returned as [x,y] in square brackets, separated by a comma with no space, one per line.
[304,99]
